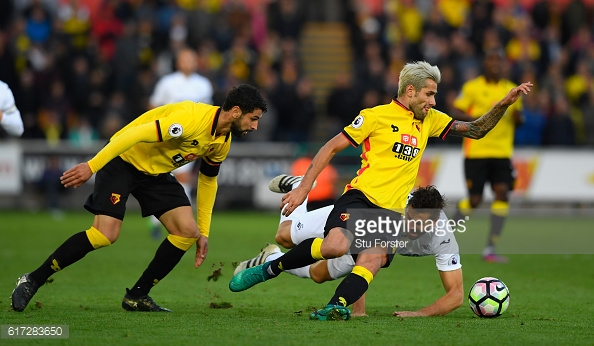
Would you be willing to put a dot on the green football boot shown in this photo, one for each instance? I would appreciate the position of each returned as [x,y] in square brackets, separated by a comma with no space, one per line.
[331,313]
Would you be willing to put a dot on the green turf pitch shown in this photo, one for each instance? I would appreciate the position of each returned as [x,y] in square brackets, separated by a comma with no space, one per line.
[552,296]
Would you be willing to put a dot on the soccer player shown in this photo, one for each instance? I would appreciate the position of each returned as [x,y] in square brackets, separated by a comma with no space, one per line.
[424,204]
[393,137]
[489,160]
[10,117]
[183,85]
[138,160]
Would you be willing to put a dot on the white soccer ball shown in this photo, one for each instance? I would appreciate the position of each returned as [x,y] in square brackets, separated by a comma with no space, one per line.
[488,297]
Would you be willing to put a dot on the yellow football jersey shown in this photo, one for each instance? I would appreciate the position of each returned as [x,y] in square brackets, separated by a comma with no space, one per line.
[186,132]
[477,98]
[392,143]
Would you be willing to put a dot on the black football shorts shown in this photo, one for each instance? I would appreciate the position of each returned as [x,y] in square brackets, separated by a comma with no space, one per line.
[118,179]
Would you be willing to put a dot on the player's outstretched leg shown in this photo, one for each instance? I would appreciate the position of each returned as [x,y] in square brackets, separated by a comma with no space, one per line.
[262,258]
[25,289]
[143,303]
[250,277]
[331,313]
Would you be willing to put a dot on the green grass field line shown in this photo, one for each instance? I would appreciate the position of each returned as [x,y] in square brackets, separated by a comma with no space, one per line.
[552,296]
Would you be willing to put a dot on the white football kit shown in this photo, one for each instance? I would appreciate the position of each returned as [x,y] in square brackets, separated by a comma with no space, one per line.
[440,243]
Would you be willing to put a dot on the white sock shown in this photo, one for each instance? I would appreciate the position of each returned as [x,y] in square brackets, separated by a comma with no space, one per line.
[302,272]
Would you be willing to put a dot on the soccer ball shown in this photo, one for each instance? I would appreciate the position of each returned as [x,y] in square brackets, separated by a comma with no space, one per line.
[488,297]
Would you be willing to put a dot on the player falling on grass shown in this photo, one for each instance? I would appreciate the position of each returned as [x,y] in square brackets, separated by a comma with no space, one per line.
[138,161]
[393,138]
[424,205]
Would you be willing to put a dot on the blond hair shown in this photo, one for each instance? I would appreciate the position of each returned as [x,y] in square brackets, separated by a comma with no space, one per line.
[416,74]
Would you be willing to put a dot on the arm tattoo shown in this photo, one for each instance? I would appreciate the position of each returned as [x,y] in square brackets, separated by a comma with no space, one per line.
[480,127]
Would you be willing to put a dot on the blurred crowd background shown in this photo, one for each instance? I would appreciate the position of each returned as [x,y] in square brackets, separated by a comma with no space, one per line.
[81,69]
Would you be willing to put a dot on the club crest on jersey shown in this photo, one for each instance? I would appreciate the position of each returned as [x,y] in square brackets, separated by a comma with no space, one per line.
[357,122]
[345,216]
[175,130]
[115,198]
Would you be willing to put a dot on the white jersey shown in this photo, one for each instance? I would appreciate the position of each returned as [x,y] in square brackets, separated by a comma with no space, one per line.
[440,243]
[177,87]
[444,247]
[11,117]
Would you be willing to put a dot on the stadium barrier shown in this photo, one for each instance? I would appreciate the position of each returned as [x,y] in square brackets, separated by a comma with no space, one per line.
[564,176]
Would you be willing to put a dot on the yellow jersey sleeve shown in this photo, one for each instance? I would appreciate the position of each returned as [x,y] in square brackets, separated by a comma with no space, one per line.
[218,152]
[119,144]
[361,127]
[440,123]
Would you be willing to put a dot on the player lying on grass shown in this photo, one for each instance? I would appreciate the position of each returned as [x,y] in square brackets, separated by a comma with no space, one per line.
[423,204]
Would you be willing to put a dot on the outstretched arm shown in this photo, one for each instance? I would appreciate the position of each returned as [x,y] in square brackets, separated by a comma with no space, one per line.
[452,282]
[79,174]
[295,197]
[481,126]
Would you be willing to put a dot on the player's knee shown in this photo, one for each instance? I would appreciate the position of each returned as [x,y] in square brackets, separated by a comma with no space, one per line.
[333,250]
[283,235]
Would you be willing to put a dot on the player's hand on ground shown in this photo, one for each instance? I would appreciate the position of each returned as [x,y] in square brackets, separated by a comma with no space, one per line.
[293,199]
[406,314]
[516,92]
[201,250]
[77,175]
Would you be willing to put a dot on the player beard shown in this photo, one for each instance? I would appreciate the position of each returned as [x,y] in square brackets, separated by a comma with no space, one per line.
[236,128]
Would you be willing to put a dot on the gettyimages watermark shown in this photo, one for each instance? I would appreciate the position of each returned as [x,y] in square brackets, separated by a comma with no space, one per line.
[527,231]
[386,231]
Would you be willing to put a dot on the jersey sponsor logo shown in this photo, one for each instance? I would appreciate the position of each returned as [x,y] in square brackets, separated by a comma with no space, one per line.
[445,242]
[115,198]
[357,122]
[345,216]
[406,149]
[408,139]
[175,130]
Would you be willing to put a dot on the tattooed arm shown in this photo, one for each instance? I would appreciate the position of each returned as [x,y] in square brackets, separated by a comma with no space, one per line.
[481,126]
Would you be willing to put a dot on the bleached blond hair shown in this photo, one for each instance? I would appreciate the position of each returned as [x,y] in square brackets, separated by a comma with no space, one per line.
[416,74]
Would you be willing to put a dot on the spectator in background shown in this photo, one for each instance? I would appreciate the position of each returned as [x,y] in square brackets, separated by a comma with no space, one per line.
[489,159]
[342,104]
[184,84]
[560,129]
[10,117]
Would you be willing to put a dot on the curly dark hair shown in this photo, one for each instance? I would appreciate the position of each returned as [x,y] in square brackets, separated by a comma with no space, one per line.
[246,97]
[428,198]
